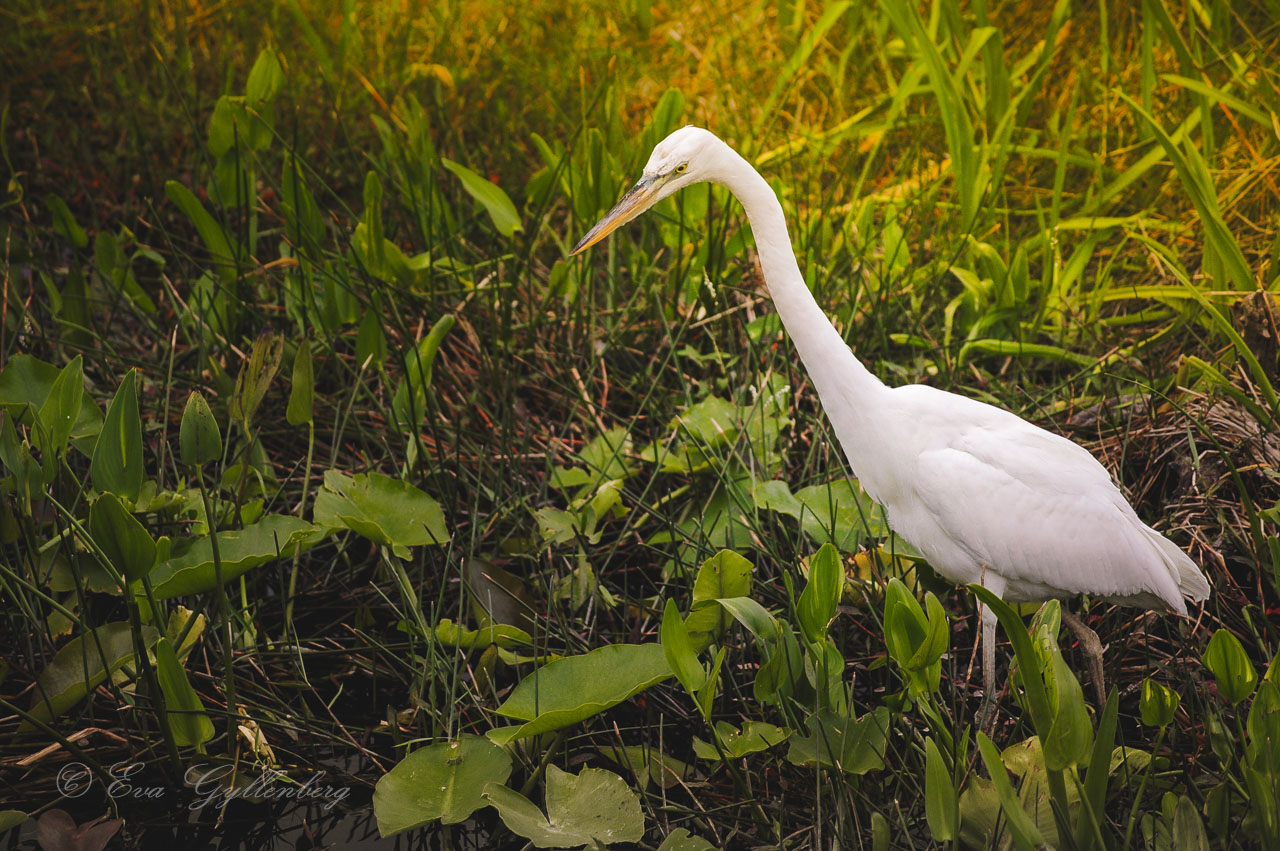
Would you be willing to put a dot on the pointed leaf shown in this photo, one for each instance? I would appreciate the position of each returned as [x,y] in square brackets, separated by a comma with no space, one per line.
[61,409]
[941,804]
[679,652]
[726,574]
[255,376]
[817,604]
[122,539]
[1226,660]
[410,401]
[265,78]
[1025,833]
[211,232]
[572,689]
[301,387]
[199,439]
[117,457]
[81,666]
[491,197]
[186,715]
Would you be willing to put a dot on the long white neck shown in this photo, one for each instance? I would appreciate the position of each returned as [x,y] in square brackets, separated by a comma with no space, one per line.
[850,394]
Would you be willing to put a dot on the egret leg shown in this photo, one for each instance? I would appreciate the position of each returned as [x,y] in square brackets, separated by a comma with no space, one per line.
[1092,648]
[988,642]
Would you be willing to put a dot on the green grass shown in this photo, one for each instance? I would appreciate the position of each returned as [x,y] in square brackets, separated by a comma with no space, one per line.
[1060,211]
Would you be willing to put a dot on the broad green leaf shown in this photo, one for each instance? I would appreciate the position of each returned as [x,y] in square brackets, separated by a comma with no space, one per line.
[385,510]
[122,539]
[821,594]
[1230,666]
[941,803]
[241,550]
[199,439]
[301,386]
[840,513]
[186,716]
[575,688]
[444,781]
[117,457]
[593,808]
[179,617]
[916,641]
[838,741]
[495,202]
[725,575]
[28,381]
[81,666]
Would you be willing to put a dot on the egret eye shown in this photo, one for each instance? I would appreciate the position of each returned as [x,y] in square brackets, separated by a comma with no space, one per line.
[682,168]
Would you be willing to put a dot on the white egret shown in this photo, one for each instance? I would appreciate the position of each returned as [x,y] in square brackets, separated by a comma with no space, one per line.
[986,496]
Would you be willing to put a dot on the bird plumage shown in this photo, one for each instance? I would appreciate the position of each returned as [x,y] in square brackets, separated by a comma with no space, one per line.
[986,496]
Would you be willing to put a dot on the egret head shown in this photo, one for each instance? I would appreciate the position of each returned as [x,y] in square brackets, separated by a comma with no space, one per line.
[685,157]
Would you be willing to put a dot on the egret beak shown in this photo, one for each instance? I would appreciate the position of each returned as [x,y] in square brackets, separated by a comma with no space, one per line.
[638,199]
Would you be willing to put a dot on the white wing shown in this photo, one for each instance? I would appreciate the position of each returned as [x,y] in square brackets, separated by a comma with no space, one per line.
[1001,495]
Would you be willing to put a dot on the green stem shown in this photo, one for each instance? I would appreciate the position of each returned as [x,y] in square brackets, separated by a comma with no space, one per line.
[297,553]
[228,672]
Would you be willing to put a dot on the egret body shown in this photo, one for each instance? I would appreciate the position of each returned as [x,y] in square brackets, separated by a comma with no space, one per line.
[986,496]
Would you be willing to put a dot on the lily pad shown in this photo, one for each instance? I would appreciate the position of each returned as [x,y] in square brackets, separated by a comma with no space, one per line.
[682,840]
[572,689]
[593,808]
[444,781]
[241,550]
[755,736]
[840,513]
[852,745]
[385,510]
